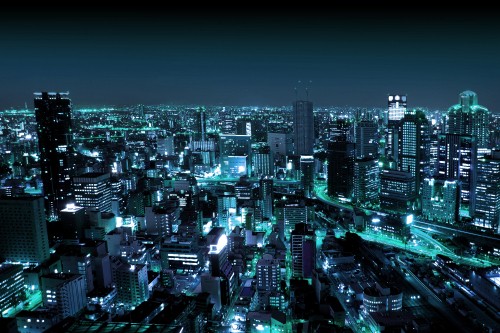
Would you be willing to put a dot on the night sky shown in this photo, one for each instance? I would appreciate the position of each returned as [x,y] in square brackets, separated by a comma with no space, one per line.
[345,56]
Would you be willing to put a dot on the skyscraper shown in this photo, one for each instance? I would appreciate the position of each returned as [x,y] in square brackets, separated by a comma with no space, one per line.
[366,139]
[307,174]
[220,266]
[93,190]
[414,146]
[303,127]
[341,169]
[487,212]
[396,108]
[440,200]
[64,293]
[23,231]
[53,117]
[366,181]
[303,250]
[266,196]
[457,161]
[468,117]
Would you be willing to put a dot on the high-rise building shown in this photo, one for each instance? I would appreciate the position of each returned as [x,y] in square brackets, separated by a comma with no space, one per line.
[395,112]
[268,273]
[397,190]
[220,266]
[341,157]
[53,117]
[93,190]
[366,181]
[307,174]
[200,124]
[303,250]
[23,231]
[440,200]
[487,212]
[303,127]
[414,146]
[457,161]
[64,293]
[131,284]
[161,220]
[396,106]
[262,162]
[468,117]
[11,286]
[266,196]
[280,144]
[235,155]
[366,139]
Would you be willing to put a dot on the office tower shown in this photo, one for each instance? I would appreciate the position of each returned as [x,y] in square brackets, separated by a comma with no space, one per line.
[468,117]
[235,155]
[268,273]
[79,263]
[457,157]
[366,181]
[64,293]
[262,161]
[220,266]
[180,253]
[131,284]
[396,106]
[366,132]
[440,200]
[161,220]
[341,169]
[303,128]
[281,144]
[397,190]
[303,250]
[201,124]
[93,190]
[23,231]
[487,212]
[380,298]
[307,175]
[226,205]
[243,127]
[395,112]
[53,117]
[11,286]
[266,196]
[343,130]
[414,146]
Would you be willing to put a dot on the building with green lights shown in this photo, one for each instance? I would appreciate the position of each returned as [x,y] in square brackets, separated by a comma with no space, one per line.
[397,190]
[366,132]
[487,212]
[303,251]
[11,286]
[341,156]
[470,118]
[440,200]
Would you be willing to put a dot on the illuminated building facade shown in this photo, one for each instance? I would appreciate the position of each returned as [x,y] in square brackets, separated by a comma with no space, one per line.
[396,106]
[220,266]
[487,212]
[458,161]
[470,118]
[303,128]
[64,293]
[366,181]
[182,254]
[440,200]
[266,196]
[93,190]
[414,146]
[23,231]
[131,282]
[397,190]
[235,155]
[11,286]
[303,251]
[53,117]
[380,299]
[262,162]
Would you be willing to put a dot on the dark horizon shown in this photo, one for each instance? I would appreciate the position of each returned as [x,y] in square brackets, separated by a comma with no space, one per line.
[344,56]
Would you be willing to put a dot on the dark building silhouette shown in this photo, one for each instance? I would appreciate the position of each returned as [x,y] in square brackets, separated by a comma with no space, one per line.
[303,127]
[341,157]
[53,117]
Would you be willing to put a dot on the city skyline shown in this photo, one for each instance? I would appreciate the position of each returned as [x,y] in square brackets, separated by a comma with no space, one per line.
[341,57]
